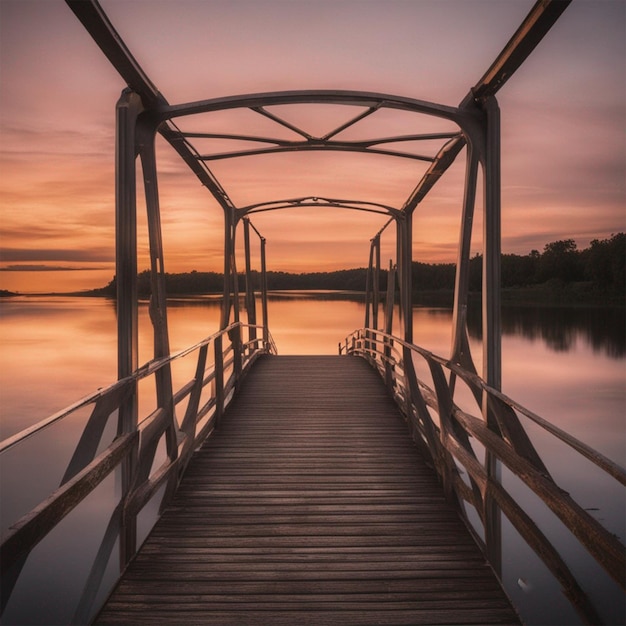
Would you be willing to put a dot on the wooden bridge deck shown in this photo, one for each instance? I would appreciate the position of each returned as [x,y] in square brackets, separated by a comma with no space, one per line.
[309,506]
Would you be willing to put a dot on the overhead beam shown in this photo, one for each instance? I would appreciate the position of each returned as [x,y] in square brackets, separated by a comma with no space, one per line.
[290,203]
[442,162]
[257,101]
[191,157]
[285,142]
[94,19]
[311,146]
[538,22]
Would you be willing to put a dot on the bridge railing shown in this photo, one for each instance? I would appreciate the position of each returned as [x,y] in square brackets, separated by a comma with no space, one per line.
[459,446]
[131,474]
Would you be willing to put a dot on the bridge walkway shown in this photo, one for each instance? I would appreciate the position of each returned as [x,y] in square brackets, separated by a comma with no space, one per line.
[310,505]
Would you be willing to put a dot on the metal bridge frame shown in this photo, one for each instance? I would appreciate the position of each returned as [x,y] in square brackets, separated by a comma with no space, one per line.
[143,111]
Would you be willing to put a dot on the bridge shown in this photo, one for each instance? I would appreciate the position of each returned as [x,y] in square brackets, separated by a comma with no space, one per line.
[309,505]
[245,486]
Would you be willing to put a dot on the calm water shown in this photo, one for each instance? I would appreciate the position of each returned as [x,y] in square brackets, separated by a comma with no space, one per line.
[568,366]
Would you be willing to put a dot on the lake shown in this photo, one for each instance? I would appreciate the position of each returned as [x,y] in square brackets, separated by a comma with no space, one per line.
[567,365]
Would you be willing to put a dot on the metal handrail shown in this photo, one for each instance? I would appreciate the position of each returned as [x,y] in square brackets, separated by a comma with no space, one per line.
[135,451]
[144,371]
[447,445]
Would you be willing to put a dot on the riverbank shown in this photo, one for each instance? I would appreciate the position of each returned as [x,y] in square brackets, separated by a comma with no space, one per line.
[550,294]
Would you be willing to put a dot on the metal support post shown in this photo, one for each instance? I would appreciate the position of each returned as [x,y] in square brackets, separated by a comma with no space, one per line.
[266,337]
[406,275]
[391,284]
[376,282]
[399,269]
[250,300]
[158,298]
[233,271]
[389,302]
[368,285]
[460,351]
[228,242]
[491,266]
[235,334]
[404,263]
[128,109]
[492,345]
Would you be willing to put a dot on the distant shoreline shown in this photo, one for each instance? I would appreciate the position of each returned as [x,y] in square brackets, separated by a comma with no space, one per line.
[567,295]
[561,275]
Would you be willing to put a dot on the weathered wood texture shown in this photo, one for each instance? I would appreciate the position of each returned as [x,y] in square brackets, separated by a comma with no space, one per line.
[309,506]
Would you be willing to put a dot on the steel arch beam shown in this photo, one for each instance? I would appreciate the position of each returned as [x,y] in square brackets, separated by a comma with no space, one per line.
[319,202]
[367,99]
[311,146]
[538,22]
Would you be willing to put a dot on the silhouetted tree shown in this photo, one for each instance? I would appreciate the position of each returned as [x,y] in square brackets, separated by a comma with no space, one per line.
[605,263]
[560,260]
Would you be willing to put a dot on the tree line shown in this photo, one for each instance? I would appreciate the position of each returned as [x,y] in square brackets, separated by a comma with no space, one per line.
[600,269]
[602,266]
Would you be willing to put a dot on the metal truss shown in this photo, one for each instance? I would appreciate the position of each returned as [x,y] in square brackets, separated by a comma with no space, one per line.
[143,111]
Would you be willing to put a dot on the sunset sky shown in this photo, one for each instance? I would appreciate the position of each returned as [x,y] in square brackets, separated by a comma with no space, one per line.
[563,119]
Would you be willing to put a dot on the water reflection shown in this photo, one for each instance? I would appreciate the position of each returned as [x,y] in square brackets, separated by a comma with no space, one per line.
[604,329]
[302,325]
[567,365]
[65,347]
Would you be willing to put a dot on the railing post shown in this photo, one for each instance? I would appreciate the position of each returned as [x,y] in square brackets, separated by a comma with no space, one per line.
[128,108]
[219,379]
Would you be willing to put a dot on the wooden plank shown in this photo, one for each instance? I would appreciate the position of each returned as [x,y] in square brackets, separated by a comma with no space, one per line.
[310,505]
